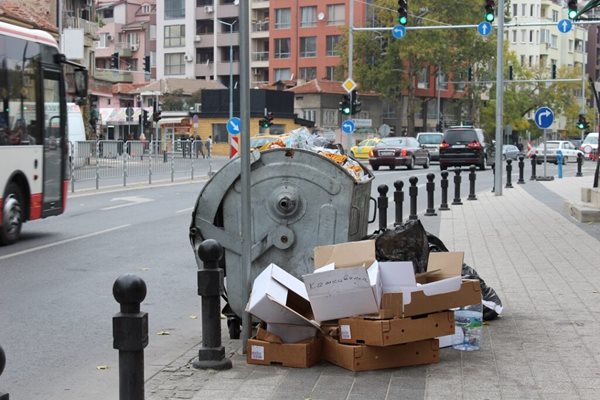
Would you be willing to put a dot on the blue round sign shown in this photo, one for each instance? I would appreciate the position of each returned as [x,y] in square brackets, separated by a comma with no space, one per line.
[484,28]
[564,25]
[348,126]
[398,31]
[233,126]
[544,117]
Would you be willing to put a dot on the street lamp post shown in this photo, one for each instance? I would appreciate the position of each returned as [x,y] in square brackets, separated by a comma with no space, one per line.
[230,25]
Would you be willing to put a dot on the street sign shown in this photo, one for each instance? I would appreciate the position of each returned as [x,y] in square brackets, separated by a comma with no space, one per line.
[234,146]
[484,28]
[348,126]
[544,117]
[564,25]
[233,126]
[349,85]
[398,31]
[129,111]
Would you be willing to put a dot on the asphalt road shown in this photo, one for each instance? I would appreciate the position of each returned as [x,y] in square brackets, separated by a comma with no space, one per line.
[56,302]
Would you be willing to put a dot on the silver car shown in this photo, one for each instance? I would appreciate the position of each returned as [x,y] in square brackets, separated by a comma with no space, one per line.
[510,152]
[431,141]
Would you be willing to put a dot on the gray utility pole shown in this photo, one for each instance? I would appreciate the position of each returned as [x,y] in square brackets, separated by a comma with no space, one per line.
[499,98]
[230,25]
[246,208]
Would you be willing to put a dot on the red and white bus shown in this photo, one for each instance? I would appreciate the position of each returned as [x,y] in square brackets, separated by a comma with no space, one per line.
[33,127]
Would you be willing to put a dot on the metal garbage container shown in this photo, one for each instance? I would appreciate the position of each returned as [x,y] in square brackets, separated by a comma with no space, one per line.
[300,200]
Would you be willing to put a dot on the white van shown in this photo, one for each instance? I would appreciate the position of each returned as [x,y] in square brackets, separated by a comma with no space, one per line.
[590,144]
[78,150]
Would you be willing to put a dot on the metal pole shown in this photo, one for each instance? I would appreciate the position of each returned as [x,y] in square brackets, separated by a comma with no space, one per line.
[350,39]
[244,144]
[499,97]
[437,86]
[582,91]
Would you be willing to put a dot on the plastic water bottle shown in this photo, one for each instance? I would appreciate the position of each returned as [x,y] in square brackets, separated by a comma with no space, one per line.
[468,321]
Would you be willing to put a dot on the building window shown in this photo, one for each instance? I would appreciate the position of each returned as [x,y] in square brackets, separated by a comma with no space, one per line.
[204,26]
[531,61]
[330,73]
[282,18]
[174,64]
[570,46]
[515,10]
[225,28]
[531,36]
[103,42]
[554,41]
[330,117]
[523,35]
[202,3]
[174,35]
[219,133]
[146,8]
[282,74]
[204,55]
[282,48]
[522,60]
[443,80]
[336,14]
[554,16]
[174,9]
[332,42]
[310,115]
[308,46]
[423,79]
[514,36]
[308,16]
[225,53]
[545,36]
[532,10]
[308,74]
[524,10]
[107,13]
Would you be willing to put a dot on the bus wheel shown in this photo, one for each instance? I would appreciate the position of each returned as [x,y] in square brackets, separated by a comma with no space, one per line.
[12,215]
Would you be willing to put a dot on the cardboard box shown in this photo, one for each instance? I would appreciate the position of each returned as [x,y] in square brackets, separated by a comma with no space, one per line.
[367,358]
[397,330]
[277,297]
[292,333]
[264,350]
[423,303]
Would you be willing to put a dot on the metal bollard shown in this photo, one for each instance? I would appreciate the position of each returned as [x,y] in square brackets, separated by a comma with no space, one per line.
[444,186]
[430,187]
[382,205]
[494,180]
[559,163]
[130,335]
[579,164]
[472,178]
[533,166]
[398,201]
[457,180]
[508,174]
[521,181]
[3,396]
[413,192]
[210,286]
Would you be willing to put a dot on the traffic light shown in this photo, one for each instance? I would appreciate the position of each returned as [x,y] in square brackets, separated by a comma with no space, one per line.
[355,104]
[470,74]
[402,12]
[510,72]
[267,121]
[553,71]
[145,118]
[147,63]
[572,9]
[345,105]
[440,125]
[156,113]
[114,61]
[490,5]
[582,123]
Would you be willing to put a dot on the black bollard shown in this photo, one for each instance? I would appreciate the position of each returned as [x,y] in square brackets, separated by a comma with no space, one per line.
[457,179]
[398,201]
[494,175]
[430,186]
[413,192]
[579,164]
[3,396]
[130,335]
[508,174]
[444,186]
[210,286]
[472,178]
[533,166]
[521,181]
[382,206]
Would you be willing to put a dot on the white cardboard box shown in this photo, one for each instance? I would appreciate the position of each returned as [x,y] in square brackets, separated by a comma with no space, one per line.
[292,333]
[277,297]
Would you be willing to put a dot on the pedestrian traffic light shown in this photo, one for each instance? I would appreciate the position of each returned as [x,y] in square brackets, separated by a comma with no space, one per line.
[582,123]
[267,121]
[114,61]
[156,113]
[490,5]
[145,117]
[470,74]
[553,71]
[572,13]
[402,12]
[345,105]
[355,104]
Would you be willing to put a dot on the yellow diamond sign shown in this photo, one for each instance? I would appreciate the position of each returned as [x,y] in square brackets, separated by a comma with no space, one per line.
[349,85]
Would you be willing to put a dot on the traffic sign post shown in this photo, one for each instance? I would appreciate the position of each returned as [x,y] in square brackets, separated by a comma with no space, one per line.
[398,31]
[349,85]
[348,126]
[564,25]
[544,117]
[234,126]
[484,28]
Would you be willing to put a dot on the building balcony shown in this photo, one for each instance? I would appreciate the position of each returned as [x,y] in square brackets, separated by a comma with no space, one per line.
[114,75]
[258,56]
[124,49]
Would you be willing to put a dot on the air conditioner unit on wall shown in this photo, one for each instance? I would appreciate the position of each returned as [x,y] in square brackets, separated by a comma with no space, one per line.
[208,9]
[255,71]
[198,38]
[135,46]
[188,58]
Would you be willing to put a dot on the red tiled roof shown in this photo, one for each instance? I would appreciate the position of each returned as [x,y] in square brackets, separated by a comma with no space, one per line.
[324,86]
[38,19]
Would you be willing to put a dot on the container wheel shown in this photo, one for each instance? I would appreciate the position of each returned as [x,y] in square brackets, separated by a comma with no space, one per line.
[234,325]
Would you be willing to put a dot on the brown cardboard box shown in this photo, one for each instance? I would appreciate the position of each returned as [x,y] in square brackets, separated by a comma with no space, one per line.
[367,358]
[397,330]
[266,349]
[469,293]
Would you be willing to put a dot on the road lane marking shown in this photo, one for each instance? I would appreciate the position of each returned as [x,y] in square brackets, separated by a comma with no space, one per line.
[184,210]
[131,201]
[45,246]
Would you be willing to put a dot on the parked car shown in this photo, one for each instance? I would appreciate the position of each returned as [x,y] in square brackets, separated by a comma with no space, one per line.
[569,151]
[590,145]
[510,152]
[431,141]
[463,146]
[395,151]
[362,149]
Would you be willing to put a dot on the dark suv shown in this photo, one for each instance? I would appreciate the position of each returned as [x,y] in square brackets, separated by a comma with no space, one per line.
[463,146]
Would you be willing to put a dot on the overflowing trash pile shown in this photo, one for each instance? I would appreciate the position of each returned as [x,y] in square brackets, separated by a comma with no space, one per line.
[361,313]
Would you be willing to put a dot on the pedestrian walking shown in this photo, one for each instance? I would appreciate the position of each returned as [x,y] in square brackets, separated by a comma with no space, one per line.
[208,146]
[199,147]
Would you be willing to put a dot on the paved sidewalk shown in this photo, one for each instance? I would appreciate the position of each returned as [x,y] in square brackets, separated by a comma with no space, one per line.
[544,266]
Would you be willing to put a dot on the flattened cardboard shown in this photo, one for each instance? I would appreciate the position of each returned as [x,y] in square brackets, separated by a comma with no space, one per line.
[421,303]
[367,358]
[350,254]
[297,355]
[397,330]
